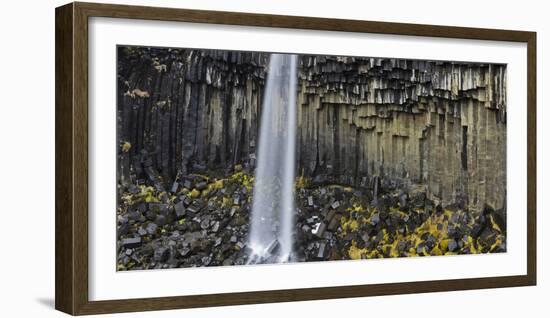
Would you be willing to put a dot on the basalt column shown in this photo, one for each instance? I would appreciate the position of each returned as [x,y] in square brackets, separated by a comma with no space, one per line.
[437,125]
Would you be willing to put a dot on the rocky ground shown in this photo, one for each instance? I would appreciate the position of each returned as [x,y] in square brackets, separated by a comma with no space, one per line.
[202,220]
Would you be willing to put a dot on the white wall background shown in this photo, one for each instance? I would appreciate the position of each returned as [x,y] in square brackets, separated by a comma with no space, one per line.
[27,158]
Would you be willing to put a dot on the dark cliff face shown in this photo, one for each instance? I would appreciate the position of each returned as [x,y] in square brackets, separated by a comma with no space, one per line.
[437,125]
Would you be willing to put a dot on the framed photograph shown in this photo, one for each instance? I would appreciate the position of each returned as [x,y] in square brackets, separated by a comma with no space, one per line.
[219,158]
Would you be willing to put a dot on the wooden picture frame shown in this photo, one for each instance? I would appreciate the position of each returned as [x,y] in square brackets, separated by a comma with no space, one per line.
[71,222]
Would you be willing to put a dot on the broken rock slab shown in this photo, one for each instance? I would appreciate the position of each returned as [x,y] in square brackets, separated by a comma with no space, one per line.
[131,242]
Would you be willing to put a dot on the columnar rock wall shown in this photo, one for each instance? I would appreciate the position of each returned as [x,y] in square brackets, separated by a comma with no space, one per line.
[188,108]
[435,123]
[438,124]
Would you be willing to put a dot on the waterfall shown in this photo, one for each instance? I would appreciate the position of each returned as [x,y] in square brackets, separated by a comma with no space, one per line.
[271,223]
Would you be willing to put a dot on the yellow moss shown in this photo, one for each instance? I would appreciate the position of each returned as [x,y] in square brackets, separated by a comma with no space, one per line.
[354,252]
[226,202]
[127,198]
[448,213]
[412,252]
[301,181]
[353,225]
[218,184]
[236,176]
[386,235]
[247,181]
[394,252]
[375,254]
[147,194]
[349,224]
[495,245]
[126,146]
[358,208]
[436,251]
[194,193]
[242,178]
[444,244]
[469,243]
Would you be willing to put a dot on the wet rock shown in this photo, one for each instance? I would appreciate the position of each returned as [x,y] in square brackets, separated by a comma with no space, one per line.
[150,215]
[322,251]
[375,218]
[134,215]
[158,207]
[216,226]
[160,220]
[133,189]
[211,206]
[123,229]
[228,261]
[186,200]
[201,185]
[175,187]
[404,201]
[273,247]
[206,260]
[478,226]
[151,228]
[147,250]
[193,209]
[236,200]
[122,219]
[199,167]
[161,254]
[240,245]
[179,209]
[430,242]
[187,184]
[452,246]
[131,242]
[329,216]
[334,223]
[320,230]
[142,207]
[199,245]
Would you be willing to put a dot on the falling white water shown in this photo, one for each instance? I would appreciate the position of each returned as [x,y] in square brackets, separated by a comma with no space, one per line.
[273,201]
